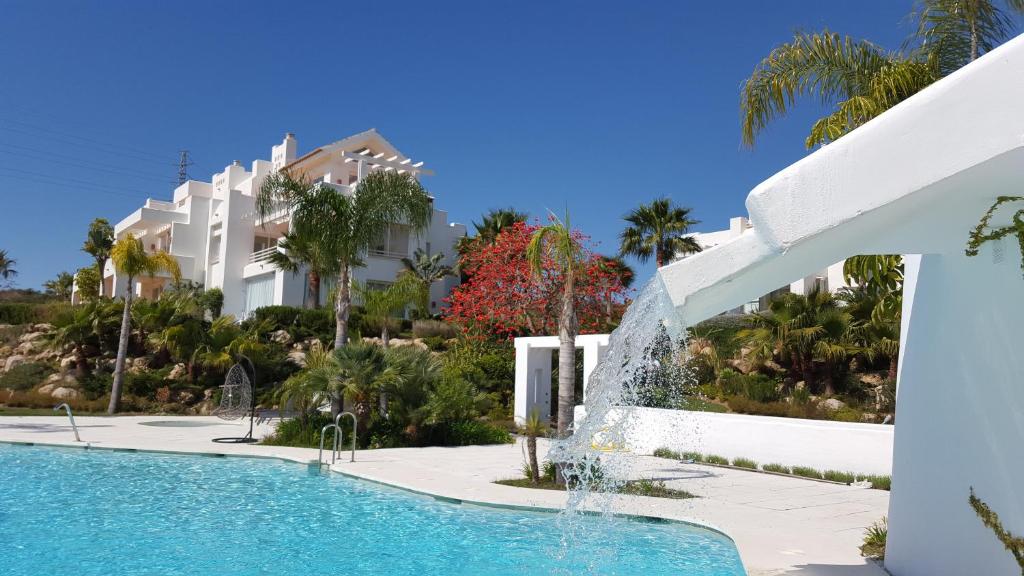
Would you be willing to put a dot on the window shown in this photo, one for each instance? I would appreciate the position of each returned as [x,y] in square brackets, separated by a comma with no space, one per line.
[393,242]
[259,292]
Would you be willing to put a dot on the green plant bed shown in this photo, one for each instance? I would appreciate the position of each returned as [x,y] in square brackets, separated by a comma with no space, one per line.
[644,487]
[744,463]
[838,476]
[777,469]
[698,404]
[807,472]
[714,459]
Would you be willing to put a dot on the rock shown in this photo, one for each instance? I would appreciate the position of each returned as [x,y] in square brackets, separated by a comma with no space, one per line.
[31,336]
[59,380]
[309,343]
[297,357]
[67,363]
[140,362]
[800,385]
[13,361]
[42,327]
[868,417]
[185,397]
[204,408]
[63,393]
[178,372]
[25,349]
[208,393]
[47,388]
[282,337]
[872,380]
[6,351]
[47,355]
[833,404]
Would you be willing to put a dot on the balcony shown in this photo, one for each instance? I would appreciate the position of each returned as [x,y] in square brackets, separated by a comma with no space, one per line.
[386,253]
[262,255]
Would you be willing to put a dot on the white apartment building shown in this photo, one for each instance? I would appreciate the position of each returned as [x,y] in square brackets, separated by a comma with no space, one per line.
[830,278]
[212,228]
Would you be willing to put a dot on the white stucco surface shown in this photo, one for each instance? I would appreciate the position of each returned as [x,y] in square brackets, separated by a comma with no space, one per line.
[780,525]
[843,446]
[915,181]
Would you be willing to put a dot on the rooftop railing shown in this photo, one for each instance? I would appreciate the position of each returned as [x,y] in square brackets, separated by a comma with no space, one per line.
[262,255]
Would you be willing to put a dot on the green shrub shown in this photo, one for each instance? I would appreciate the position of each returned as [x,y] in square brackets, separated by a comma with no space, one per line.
[744,463]
[293,432]
[666,453]
[145,384]
[837,476]
[846,414]
[756,387]
[654,489]
[465,433]
[801,395]
[433,328]
[695,456]
[875,538]
[301,323]
[713,459]
[548,471]
[778,468]
[25,376]
[806,472]
[877,482]
[96,385]
[436,343]
[15,313]
[743,405]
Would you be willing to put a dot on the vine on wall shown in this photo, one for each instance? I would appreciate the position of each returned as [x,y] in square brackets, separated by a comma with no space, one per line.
[983,232]
[1014,544]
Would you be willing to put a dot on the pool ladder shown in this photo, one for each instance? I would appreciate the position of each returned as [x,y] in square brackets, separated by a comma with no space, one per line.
[337,439]
[70,417]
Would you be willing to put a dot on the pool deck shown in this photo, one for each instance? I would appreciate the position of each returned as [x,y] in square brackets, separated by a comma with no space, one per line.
[780,525]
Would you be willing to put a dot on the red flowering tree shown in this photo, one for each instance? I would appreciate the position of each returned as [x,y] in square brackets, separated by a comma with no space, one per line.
[501,296]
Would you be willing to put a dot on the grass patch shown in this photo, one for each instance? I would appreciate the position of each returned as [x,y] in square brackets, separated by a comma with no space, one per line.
[837,476]
[695,456]
[874,540]
[777,468]
[744,463]
[806,472]
[667,453]
[715,459]
[544,484]
[698,404]
[878,482]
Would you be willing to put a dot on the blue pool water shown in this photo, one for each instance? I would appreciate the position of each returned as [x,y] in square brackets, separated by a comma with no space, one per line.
[92,512]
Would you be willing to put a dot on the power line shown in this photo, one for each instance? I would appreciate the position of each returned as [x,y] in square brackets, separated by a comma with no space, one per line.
[165,162]
[132,149]
[71,182]
[87,166]
[183,164]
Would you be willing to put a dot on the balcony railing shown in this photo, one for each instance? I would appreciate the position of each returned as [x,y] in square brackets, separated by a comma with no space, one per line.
[262,255]
[388,253]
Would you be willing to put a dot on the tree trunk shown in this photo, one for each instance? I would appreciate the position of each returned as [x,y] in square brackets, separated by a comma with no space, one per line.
[974,41]
[531,448]
[830,389]
[122,351]
[314,290]
[336,406]
[385,339]
[81,363]
[807,365]
[101,263]
[566,357]
[342,305]
[659,258]
[893,367]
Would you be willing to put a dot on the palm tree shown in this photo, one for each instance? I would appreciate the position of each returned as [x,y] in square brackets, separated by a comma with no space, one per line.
[556,244]
[493,223]
[415,373]
[7,263]
[345,226]
[384,307]
[659,229]
[98,243]
[858,79]
[625,275]
[533,428]
[60,286]
[81,333]
[362,371]
[131,260]
[426,269]
[298,250]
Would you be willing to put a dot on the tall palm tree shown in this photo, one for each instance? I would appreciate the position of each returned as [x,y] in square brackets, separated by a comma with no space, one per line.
[493,223]
[858,79]
[98,243]
[532,428]
[7,263]
[658,229]
[345,226]
[426,269]
[298,250]
[60,286]
[362,371]
[556,244]
[131,260]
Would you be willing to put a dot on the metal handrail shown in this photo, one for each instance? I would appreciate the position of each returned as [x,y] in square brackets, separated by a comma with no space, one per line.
[70,417]
[334,449]
[337,419]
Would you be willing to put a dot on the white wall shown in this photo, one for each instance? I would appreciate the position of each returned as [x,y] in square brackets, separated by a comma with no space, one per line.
[844,446]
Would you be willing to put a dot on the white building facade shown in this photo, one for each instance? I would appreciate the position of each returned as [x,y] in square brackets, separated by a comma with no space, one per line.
[219,241]
[830,278]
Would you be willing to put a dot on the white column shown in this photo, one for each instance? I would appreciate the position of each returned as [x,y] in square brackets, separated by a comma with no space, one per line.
[593,352]
[533,381]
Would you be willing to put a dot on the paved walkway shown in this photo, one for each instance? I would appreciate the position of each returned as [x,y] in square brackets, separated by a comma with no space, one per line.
[780,525]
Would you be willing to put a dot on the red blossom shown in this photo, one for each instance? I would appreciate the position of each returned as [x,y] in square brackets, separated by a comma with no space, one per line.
[502,296]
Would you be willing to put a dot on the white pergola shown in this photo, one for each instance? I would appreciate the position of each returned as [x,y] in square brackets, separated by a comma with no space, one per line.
[533,371]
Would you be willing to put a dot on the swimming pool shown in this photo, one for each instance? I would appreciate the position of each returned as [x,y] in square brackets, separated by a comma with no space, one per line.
[97,512]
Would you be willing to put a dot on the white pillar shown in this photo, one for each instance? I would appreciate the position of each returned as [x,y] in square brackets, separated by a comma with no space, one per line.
[533,382]
[593,351]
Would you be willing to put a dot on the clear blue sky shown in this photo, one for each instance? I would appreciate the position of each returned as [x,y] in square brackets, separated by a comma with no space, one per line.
[597,106]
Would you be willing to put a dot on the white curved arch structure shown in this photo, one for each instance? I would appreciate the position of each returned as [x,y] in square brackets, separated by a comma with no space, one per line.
[915,181]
